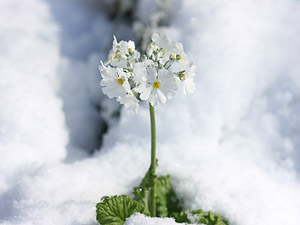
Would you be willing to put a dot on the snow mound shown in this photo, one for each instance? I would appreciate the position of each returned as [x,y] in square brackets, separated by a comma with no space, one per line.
[138,219]
[32,123]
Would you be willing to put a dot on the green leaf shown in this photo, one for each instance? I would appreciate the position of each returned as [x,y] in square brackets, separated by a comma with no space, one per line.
[114,210]
[141,195]
[199,217]
[167,202]
[141,192]
[149,178]
[181,217]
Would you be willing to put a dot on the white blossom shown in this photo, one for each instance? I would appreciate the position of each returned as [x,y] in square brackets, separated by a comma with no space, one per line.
[187,78]
[130,102]
[154,77]
[115,81]
[161,41]
[158,87]
[178,58]
[161,48]
[123,54]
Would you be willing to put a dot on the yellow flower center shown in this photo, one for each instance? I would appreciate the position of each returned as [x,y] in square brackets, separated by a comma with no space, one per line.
[178,57]
[120,81]
[173,56]
[156,84]
[182,75]
[115,56]
[130,50]
[151,47]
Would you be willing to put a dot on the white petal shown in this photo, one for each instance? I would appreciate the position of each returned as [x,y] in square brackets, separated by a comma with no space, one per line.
[113,89]
[145,92]
[189,86]
[153,98]
[164,75]
[115,40]
[131,45]
[140,73]
[126,85]
[137,54]
[151,77]
[169,90]
[161,97]
[130,102]
[108,72]
[155,37]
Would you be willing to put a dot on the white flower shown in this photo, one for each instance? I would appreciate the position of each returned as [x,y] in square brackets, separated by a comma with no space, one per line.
[123,54]
[154,77]
[161,41]
[115,81]
[130,102]
[178,58]
[187,78]
[150,49]
[158,87]
[168,53]
[140,73]
[161,47]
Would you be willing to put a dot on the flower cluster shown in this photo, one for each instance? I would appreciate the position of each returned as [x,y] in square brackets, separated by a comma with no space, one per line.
[154,77]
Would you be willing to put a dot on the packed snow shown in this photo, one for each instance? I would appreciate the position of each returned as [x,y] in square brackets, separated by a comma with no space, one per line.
[231,147]
[142,219]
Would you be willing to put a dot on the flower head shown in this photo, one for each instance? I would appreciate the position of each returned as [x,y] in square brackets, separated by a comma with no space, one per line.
[154,77]
[159,86]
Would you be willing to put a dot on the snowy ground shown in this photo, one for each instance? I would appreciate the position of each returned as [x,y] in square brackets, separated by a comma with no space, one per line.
[231,147]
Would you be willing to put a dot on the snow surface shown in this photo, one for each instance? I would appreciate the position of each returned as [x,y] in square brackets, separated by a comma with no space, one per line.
[138,219]
[231,147]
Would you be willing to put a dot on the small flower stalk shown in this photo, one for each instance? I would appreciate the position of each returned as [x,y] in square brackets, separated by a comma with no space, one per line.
[153,77]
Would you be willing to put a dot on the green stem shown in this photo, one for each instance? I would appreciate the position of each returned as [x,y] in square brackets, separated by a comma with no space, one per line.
[153,162]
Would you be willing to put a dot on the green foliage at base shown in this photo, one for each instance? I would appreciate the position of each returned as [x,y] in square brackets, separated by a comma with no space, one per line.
[141,193]
[167,202]
[116,209]
[199,217]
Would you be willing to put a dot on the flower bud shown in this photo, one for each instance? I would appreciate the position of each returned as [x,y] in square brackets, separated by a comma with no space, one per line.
[173,56]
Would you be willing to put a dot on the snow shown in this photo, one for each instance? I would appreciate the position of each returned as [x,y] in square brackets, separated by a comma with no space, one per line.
[31,118]
[231,147]
[141,219]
